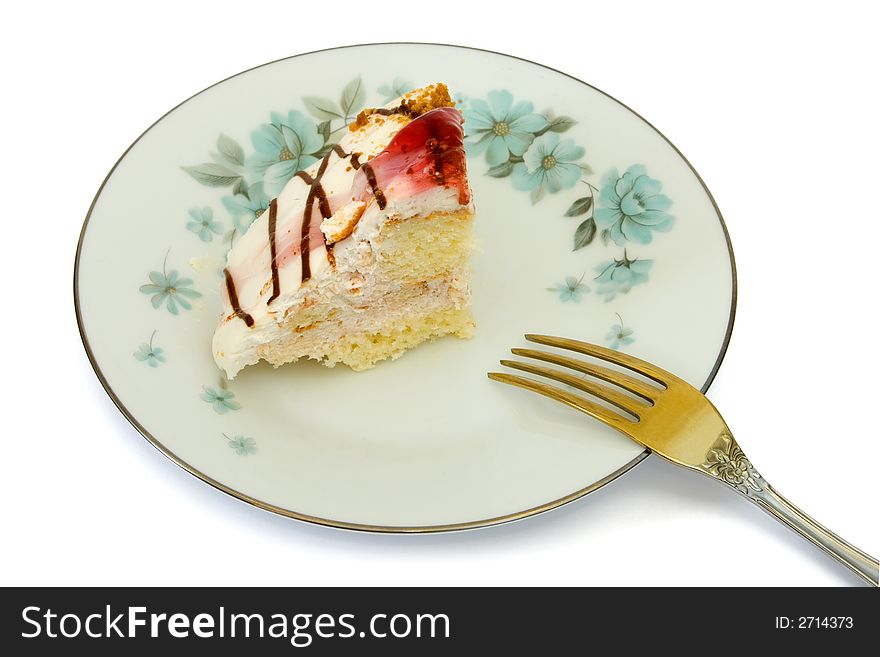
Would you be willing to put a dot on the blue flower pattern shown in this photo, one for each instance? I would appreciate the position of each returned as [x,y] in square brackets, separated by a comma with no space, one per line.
[572,289]
[241,445]
[202,223]
[221,400]
[619,335]
[551,163]
[499,128]
[620,276]
[632,206]
[170,288]
[283,147]
[149,354]
[246,207]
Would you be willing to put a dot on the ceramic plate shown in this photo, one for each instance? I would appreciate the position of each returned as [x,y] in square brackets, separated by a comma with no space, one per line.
[591,224]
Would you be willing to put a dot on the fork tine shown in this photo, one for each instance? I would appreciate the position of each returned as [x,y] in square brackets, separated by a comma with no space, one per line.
[612,419]
[623,402]
[653,372]
[644,390]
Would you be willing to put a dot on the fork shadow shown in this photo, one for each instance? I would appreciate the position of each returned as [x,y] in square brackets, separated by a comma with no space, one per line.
[653,479]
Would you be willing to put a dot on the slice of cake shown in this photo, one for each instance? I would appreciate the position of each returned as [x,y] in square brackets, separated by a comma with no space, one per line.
[363,255]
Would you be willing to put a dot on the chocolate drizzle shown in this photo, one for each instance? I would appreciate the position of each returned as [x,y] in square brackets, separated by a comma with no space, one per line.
[352,157]
[306,178]
[316,190]
[374,185]
[233,300]
[400,109]
[405,108]
[273,254]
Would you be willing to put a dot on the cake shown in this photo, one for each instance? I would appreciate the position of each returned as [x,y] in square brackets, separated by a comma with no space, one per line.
[362,256]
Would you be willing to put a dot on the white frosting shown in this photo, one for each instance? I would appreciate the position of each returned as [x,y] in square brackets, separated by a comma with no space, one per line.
[235,344]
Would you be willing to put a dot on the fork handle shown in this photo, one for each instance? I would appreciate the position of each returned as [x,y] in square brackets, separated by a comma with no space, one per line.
[727,463]
[862,564]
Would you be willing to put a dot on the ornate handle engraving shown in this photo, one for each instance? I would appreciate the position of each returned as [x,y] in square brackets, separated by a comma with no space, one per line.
[726,462]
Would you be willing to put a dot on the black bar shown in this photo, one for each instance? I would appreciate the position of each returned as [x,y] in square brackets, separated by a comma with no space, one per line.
[437,621]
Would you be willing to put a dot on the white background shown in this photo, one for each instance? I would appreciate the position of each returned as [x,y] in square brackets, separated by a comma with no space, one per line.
[776,106]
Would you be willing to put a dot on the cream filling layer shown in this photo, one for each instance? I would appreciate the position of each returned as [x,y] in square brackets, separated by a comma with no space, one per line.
[356,311]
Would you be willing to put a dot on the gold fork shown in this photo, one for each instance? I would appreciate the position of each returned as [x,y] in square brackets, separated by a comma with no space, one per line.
[674,420]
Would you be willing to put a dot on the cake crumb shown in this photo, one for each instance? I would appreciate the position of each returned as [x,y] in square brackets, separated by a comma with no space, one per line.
[413,104]
[424,100]
[342,223]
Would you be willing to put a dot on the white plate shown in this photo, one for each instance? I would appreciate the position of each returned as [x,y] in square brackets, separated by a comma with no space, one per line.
[427,442]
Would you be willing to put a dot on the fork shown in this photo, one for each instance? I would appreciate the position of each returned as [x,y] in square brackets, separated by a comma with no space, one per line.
[675,421]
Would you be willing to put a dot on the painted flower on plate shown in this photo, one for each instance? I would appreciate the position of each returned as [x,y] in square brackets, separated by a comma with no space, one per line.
[283,147]
[396,89]
[221,400]
[202,223]
[619,335]
[499,127]
[619,276]
[241,445]
[632,207]
[570,290]
[246,208]
[549,163]
[152,356]
[170,288]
